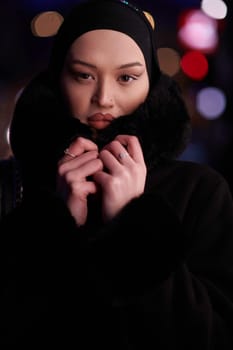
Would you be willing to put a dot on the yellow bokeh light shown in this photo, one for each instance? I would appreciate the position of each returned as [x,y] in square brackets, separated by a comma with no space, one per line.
[150,18]
[46,24]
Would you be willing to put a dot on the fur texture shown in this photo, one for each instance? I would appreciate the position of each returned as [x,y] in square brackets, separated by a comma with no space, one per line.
[41,128]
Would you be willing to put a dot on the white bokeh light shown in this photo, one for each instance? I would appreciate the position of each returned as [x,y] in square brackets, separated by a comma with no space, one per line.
[214,8]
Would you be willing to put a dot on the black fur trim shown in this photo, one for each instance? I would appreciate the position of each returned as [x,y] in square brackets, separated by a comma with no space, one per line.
[41,127]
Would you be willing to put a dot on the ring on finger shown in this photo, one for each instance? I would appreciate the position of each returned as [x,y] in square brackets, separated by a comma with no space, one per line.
[122,155]
[68,153]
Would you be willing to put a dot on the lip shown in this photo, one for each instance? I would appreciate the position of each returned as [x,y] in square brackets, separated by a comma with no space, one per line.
[101,117]
[100,120]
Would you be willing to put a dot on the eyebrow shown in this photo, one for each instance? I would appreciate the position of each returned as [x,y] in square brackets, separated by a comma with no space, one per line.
[127,65]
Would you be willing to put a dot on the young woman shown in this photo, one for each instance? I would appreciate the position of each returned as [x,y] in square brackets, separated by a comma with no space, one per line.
[116,244]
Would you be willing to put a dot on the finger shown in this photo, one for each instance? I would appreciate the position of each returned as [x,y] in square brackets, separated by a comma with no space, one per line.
[69,163]
[101,178]
[87,187]
[123,156]
[117,149]
[79,146]
[80,168]
[119,152]
[132,144]
[109,159]
[69,154]
[114,155]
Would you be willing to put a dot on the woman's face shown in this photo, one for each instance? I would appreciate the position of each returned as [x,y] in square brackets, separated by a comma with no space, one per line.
[104,77]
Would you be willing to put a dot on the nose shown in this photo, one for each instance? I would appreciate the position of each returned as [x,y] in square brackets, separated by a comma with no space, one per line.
[103,94]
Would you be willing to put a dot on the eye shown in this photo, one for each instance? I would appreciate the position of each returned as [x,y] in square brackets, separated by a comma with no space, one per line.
[82,76]
[126,78]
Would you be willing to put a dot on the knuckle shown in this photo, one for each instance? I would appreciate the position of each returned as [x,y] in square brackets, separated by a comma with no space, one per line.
[61,168]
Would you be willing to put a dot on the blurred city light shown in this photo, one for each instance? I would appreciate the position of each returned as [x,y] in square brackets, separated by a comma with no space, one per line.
[195,65]
[197,31]
[46,24]
[169,60]
[211,102]
[214,8]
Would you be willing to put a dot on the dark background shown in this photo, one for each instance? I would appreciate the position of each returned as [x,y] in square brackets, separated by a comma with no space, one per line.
[22,55]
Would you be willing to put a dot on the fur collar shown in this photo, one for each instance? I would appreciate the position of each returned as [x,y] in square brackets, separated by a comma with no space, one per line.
[161,123]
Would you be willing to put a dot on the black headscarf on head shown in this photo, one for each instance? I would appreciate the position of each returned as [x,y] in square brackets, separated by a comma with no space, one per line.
[118,15]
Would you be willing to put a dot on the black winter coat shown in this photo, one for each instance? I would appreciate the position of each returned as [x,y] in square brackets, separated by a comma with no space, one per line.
[158,276]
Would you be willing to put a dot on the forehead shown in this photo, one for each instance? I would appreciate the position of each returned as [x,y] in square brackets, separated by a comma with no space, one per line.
[107,42]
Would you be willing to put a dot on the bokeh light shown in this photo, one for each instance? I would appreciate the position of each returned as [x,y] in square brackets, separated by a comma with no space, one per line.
[211,102]
[195,65]
[169,60]
[197,31]
[46,24]
[214,8]
[8,135]
[150,18]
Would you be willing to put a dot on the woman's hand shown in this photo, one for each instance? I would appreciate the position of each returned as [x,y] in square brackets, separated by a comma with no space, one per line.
[124,174]
[80,162]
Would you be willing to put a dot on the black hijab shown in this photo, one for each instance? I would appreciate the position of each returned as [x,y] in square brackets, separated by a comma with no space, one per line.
[118,15]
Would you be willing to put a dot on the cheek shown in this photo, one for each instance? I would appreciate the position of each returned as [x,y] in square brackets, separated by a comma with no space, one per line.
[76,100]
[135,98]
